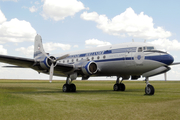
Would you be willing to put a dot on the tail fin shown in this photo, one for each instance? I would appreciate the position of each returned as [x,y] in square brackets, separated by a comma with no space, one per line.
[38,47]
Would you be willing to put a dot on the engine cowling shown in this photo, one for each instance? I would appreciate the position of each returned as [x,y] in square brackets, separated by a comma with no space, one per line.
[46,63]
[89,67]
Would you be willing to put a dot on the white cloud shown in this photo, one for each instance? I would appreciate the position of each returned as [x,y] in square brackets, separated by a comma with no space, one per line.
[59,9]
[2,17]
[96,42]
[54,46]
[33,9]
[16,31]
[166,44]
[26,51]
[128,23]
[75,46]
[48,47]
[3,51]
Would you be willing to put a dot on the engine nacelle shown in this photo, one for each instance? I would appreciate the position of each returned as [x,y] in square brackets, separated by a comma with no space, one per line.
[46,64]
[89,67]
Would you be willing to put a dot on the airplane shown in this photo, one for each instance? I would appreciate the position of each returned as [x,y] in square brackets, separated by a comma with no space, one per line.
[125,61]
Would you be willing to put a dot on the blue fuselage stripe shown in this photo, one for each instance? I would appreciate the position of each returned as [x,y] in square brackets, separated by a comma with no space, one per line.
[165,59]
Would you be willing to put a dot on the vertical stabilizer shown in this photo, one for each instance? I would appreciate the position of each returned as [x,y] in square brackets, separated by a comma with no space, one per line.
[38,48]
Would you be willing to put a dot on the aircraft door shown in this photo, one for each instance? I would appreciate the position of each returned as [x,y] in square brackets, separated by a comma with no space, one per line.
[139,56]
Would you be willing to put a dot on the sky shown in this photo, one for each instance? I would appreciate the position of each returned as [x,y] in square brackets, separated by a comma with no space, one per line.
[70,25]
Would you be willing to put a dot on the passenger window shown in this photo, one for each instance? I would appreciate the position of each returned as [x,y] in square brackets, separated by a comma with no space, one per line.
[140,49]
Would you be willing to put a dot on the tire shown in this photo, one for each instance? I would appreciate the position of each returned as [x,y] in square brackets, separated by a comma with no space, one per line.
[66,88]
[122,87]
[116,87]
[72,88]
[149,90]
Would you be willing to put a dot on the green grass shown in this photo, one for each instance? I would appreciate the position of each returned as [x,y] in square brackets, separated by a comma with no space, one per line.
[41,100]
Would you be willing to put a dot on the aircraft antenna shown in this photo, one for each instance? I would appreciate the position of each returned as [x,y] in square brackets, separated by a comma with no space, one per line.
[145,41]
[132,40]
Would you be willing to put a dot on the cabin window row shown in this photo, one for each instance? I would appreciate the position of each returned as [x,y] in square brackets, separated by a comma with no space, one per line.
[76,60]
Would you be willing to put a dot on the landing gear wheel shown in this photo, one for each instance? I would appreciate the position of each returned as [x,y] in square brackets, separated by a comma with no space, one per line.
[72,88]
[119,87]
[149,90]
[69,88]
[122,87]
[116,87]
[66,88]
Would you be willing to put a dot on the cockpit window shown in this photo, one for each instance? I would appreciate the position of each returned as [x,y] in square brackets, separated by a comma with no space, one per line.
[140,49]
[150,48]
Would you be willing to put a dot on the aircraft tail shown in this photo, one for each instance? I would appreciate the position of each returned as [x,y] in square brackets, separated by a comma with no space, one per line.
[38,48]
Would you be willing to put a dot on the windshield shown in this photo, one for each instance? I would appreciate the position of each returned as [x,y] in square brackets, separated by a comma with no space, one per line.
[150,48]
[145,48]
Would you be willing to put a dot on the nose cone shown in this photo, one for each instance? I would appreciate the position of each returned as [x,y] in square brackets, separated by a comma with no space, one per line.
[168,59]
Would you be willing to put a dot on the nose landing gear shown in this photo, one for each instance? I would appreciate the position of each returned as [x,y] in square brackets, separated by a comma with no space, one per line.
[149,89]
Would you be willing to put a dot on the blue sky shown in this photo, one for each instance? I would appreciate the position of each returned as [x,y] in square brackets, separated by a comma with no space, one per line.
[68,25]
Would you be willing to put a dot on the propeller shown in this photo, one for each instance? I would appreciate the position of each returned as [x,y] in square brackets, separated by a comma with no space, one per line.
[51,72]
[52,65]
[165,76]
[53,61]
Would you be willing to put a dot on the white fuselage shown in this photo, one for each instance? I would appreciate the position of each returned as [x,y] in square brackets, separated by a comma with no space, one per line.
[122,59]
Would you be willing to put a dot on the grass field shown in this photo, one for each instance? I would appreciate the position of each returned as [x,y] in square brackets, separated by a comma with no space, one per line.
[41,100]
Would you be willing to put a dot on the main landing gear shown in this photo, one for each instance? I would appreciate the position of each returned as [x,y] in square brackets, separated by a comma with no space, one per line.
[119,86]
[69,87]
[149,89]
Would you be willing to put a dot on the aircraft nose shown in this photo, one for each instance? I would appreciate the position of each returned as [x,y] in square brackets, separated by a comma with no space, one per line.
[169,59]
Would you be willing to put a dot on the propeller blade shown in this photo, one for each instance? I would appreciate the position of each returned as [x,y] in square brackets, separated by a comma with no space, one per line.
[62,57]
[165,76]
[51,72]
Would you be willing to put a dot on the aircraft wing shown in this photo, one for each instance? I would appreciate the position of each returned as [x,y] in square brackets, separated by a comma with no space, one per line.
[64,67]
[19,61]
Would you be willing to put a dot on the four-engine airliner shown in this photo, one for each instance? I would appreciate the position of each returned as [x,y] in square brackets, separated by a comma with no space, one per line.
[126,61]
